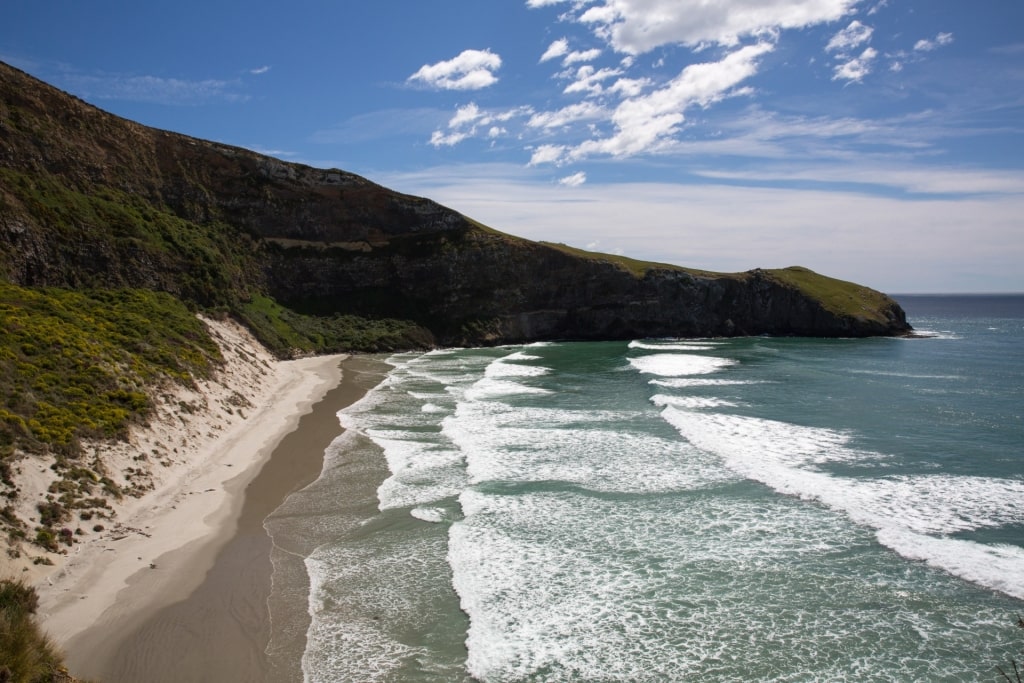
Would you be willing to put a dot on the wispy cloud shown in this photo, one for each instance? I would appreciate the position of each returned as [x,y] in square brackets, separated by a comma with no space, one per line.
[470,70]
[927,45]
[574,180]
[850,37]
[153,89]
[259,71]
[644,123]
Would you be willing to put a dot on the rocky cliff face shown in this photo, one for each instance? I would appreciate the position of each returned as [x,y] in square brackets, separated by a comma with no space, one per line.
[87,198]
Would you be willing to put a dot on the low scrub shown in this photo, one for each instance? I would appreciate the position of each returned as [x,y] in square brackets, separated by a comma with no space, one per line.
[77,364]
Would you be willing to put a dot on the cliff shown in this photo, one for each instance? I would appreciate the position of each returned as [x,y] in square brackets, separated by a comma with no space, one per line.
[91,200]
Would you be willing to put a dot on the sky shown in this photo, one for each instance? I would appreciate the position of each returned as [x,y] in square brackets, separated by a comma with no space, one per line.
[879,141]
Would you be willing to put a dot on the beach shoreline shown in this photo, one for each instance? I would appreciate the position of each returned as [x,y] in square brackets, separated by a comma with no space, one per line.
[164,544]
[221,630]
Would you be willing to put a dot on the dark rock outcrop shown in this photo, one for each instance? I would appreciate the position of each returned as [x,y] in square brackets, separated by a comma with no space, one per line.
[89,199]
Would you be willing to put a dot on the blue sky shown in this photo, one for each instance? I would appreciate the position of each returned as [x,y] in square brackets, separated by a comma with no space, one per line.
[880,141]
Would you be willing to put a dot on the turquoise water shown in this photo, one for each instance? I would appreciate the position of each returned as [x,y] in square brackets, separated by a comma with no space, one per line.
[662,510]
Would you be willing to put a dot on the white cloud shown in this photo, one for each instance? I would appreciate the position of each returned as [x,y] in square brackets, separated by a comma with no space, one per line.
[638,26]
[574,180]
[646,123]
[259,71]
[583,111]
[546,154]
[581,56]
[940,40]
[440,139]
[470,120]
[880,6]
[850,37]
[854,70]
[470,70]
[588,80]
[464,115]
[629,87]
[557,49]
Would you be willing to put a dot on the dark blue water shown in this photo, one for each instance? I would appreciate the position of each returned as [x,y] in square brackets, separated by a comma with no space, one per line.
[661,510]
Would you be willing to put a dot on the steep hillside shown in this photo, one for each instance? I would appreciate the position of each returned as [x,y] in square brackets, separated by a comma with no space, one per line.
[301,254]
[114,235]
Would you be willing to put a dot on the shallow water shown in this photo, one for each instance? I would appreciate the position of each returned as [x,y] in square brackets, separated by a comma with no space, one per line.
[715,510]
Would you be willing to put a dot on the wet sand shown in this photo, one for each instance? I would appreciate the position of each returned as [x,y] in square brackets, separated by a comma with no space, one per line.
[220,631]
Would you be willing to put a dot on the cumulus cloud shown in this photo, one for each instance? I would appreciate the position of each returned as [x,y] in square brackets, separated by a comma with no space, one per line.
[639,26]
[470,70]
[940,40]
[574,180]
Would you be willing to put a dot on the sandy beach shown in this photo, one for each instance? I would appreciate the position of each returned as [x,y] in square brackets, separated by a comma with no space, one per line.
[177,590]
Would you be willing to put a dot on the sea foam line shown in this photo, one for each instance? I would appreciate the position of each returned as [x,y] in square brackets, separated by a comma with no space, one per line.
[911,514]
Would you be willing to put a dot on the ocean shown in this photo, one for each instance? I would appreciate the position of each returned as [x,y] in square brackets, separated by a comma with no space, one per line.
[756,509]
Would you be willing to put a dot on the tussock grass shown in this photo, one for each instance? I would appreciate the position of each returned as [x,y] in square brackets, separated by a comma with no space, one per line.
[27,655]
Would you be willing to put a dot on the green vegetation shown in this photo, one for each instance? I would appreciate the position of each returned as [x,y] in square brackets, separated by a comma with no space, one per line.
[206,263]
[27,655]
[837,296]
[637,268]
[79,365]
[283,330]
[76,364]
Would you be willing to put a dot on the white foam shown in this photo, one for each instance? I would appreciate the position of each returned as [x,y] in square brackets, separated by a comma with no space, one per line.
[679,364]
[430,514]
[999,567]
[520,355]
[690,402]
[489,388]
[503,368]
[503,443]
[361,596]
[907,375]
[687,382]
[688,346]
[910,513]
[934,334]
[561,587]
